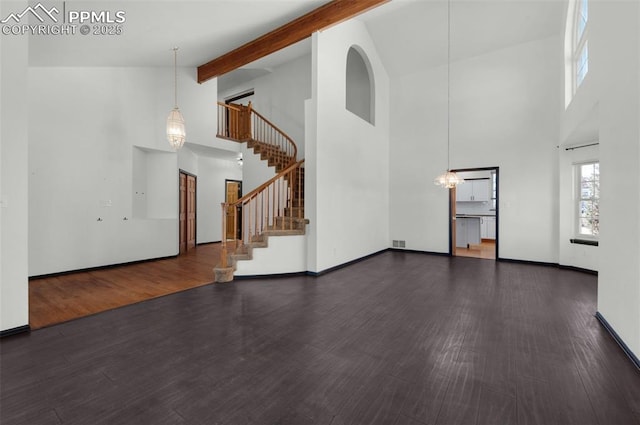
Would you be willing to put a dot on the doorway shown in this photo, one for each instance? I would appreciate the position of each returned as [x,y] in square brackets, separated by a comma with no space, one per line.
[474,214]
[237,118]
[233,192]
[187,215]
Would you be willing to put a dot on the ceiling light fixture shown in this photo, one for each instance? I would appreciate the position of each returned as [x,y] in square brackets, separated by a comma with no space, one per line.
[448,179]
[176,133]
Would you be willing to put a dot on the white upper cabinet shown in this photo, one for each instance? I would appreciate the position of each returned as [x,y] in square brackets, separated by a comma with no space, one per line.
[473,191]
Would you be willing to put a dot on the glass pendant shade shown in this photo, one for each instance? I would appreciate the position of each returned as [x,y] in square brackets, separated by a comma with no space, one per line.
[176,133]
[448,180]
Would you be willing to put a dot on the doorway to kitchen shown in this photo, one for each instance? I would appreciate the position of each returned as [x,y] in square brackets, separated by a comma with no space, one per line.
[474,214]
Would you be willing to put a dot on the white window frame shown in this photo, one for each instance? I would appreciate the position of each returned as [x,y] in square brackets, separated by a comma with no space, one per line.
[580,44]
[576,45]
[579,199]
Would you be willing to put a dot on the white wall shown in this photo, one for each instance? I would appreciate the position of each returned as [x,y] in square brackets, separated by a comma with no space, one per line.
[212,173]
[14,287]
[606,108]
[83,126]
[579,126]
[269,260]
[280,95]
[255,171]
[616,31]
[347,157]
[504,113]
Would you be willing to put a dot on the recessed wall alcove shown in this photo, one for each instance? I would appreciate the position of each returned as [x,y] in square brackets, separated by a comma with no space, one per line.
[360,85]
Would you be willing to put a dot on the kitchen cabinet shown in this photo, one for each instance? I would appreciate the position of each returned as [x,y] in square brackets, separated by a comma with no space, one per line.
[467,231]
[473,191]
[488,227]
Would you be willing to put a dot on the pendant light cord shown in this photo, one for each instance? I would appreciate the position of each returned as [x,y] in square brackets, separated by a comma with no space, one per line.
[175,75]
[448,85]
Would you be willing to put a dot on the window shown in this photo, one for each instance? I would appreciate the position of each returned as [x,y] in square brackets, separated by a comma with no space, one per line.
[588,200]
[582,64]
[580,43]
[576,47]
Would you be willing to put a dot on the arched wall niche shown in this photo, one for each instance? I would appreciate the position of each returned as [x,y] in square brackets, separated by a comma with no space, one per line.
[360,85]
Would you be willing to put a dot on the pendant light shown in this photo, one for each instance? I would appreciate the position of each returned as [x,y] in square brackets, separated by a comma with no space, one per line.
[176,133]
[448,179]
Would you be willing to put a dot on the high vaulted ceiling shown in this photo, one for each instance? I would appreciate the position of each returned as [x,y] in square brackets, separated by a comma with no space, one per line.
[202,29]
[409,34]
[412,35]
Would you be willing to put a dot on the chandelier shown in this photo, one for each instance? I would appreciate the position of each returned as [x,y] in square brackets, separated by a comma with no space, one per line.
[449,179]
[176,133]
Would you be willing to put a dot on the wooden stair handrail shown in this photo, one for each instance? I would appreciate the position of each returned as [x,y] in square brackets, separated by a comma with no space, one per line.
[291,151]
[295,147]
[275,204]
[229,106]
[278,203]
[260,188]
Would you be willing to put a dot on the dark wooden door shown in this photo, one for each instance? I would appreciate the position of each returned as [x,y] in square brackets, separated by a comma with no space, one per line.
[239,121]
[183,213]
[233,192]
[191,212]
[187,218]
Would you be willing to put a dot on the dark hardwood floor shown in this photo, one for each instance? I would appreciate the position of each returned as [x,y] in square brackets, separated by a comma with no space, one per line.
[400,338]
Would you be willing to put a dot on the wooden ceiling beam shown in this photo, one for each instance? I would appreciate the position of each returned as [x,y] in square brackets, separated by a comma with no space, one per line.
[324,16]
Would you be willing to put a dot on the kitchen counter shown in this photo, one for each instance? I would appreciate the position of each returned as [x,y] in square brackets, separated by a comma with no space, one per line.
[466,226]
[467,230]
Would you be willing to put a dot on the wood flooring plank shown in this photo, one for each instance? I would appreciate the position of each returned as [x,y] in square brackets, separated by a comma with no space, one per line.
[425,398]
[560,399]
[30,415]
[496,407]
[61,298]
[461,403]
[612,399]
[400,338]
[378,404]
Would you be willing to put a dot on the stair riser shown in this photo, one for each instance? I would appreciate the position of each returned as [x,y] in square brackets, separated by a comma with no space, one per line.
[292,223]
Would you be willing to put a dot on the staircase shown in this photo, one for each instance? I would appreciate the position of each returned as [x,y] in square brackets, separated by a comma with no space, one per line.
[275,208]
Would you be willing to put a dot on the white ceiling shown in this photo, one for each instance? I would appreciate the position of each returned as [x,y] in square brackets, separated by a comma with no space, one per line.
[212,152]
[203,30]
[409,34]
[412,34]
[263,66]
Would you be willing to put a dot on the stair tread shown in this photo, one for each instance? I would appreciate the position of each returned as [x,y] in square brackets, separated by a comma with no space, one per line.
[292,223]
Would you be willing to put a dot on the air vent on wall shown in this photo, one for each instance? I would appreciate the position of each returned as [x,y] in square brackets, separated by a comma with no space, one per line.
[398,244]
